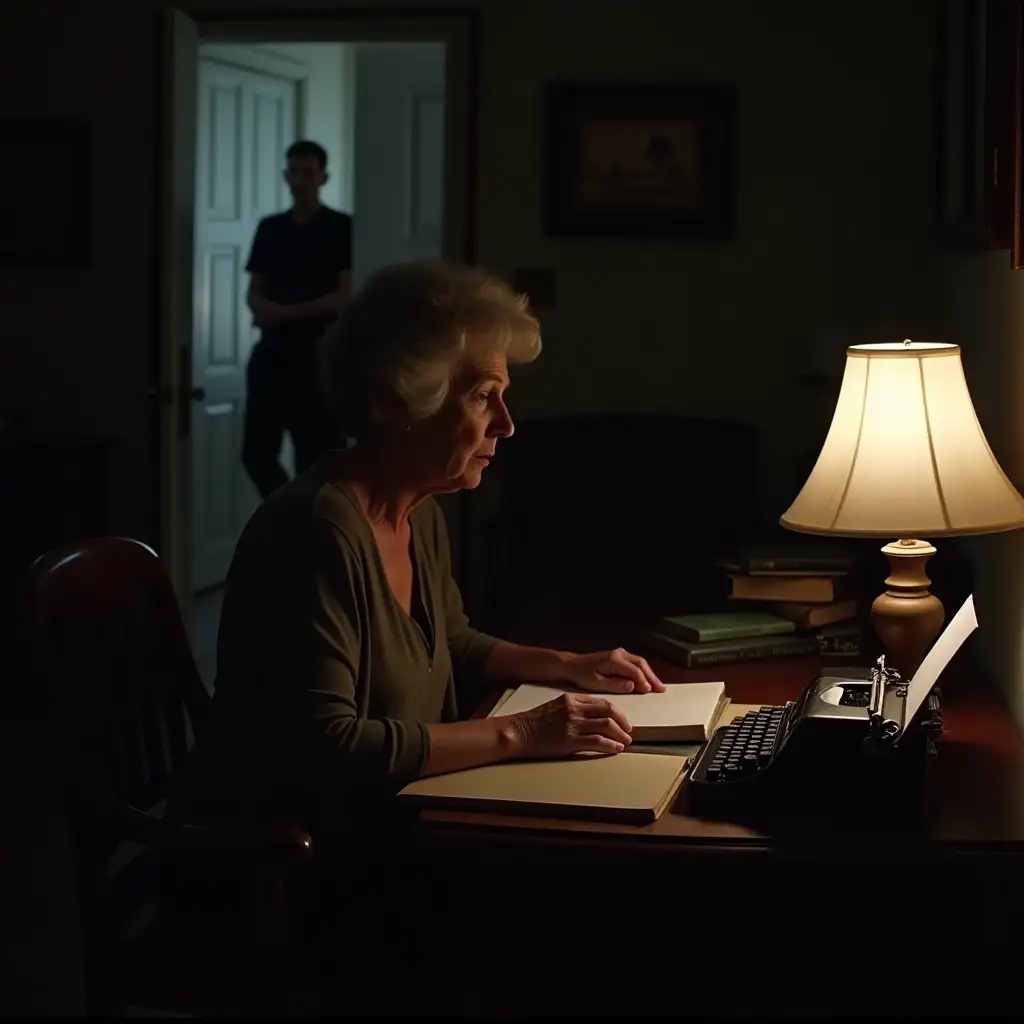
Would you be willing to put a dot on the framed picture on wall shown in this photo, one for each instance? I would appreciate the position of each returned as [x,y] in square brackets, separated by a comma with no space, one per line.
[640,161]
[979,170]
[45,193]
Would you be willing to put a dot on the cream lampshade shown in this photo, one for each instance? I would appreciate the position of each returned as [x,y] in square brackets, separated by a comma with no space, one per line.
[905,457]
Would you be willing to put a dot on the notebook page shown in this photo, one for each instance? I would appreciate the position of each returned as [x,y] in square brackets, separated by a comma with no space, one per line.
[680,703]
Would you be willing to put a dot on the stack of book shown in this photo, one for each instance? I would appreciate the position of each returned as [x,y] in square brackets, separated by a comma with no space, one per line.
[782,604]
[808,587]
[716,638]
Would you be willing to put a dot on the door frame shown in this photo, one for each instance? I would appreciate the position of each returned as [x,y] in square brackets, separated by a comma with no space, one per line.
[181,35]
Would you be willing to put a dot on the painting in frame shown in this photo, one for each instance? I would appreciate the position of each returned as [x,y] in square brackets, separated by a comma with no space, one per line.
[45,193]
[640,161]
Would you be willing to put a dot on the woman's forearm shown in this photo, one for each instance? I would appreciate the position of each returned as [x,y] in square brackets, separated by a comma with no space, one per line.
[514,663]
[458,745]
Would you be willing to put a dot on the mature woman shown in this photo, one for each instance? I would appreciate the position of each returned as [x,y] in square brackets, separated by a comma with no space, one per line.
[343,634]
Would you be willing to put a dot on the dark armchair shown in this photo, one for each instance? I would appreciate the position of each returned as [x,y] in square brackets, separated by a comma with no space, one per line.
[617,505]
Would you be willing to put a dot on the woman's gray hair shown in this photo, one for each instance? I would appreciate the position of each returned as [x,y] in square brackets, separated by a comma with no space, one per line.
[405,334]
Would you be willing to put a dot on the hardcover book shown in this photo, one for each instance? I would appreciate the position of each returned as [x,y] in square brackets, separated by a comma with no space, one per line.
[798,589]
[813,616]
[796,560]
[724,625]
[721,652]
[632,788]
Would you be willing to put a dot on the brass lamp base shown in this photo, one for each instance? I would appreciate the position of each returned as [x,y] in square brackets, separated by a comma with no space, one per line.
[907,618]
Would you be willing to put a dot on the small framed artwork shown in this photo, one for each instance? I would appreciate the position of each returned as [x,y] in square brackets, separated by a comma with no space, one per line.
[45,193]
[640,161]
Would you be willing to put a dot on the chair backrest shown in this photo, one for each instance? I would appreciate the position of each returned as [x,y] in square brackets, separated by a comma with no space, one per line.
[122,696]
[123,702]
[625,501]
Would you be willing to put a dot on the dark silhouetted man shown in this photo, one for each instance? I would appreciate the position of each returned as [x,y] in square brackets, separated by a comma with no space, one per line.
[300,274]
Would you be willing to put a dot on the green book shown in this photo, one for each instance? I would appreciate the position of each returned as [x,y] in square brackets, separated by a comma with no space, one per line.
[725,626]
[690,654]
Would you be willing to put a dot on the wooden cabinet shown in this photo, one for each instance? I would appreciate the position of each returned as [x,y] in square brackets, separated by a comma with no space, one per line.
[978,131]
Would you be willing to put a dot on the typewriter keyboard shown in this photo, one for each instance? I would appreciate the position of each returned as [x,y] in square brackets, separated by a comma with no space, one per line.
[744,746]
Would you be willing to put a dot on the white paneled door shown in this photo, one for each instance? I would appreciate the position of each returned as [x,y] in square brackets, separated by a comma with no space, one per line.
[246,120]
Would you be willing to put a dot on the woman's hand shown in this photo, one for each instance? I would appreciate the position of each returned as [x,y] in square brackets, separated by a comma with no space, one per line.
[571,723]
[615,671]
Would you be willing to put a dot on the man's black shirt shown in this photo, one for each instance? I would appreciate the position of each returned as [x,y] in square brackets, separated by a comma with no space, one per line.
[301,261]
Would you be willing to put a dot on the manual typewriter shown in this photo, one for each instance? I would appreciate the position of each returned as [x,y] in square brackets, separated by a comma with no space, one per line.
[843,745]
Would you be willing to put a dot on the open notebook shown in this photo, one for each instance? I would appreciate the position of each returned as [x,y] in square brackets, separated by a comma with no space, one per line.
[633,788]
[683,713]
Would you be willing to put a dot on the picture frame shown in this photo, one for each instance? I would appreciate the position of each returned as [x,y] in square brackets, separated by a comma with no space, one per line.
[641,160]
[45,193]
[979,90]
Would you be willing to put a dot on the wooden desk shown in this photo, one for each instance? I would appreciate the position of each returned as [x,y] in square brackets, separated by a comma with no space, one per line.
[744,907]
[975,797]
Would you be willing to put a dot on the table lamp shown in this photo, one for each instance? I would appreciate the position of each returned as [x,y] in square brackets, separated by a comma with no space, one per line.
[905,458]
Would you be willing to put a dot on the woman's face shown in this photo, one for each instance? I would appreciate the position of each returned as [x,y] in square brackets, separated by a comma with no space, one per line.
[460,439]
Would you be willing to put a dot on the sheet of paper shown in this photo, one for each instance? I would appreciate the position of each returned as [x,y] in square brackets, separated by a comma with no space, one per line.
[960,627]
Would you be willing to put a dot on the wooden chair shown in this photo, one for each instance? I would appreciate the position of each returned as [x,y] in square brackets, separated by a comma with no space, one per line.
[122,702]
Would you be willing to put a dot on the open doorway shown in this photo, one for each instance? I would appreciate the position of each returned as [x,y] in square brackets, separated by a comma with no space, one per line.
[377,108]
[388,98]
